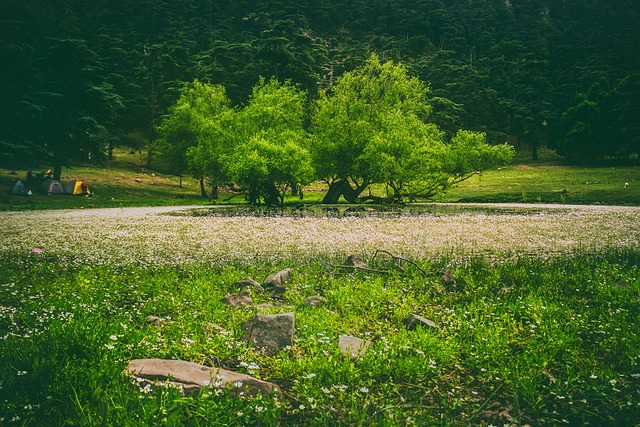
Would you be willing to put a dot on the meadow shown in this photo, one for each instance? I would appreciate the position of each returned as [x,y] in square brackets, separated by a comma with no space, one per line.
[541,327]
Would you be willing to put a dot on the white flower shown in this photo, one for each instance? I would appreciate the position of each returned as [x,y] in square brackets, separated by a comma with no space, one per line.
[114,337]
[364,390]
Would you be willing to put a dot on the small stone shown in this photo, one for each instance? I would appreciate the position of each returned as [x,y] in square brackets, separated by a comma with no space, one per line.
[414,320]
[353,346]
[154,320]
[315,301]
[355,262]
[448,279]
[250,284]
[278,279]
[238,300]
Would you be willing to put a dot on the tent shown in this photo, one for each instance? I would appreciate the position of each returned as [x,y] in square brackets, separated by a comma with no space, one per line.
[52,187]
[75,188]
[18,189]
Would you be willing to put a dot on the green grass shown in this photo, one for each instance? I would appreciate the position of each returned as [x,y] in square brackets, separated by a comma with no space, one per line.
[551,184]
[125,182]
[524,342]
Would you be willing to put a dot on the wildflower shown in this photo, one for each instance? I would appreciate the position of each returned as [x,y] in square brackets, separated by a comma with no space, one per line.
[237,384]
[593,377]
[364,390]
[114,337]
[302,407]
[309,376]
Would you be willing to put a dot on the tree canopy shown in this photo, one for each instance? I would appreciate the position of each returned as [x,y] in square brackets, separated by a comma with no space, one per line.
[79,77]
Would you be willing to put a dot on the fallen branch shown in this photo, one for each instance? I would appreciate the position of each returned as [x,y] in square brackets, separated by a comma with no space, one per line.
[399,258]
[355,267]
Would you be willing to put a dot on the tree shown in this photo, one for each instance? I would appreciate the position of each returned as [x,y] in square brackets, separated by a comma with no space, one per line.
[188,134]
[359,108]
[269,154]
[372,128]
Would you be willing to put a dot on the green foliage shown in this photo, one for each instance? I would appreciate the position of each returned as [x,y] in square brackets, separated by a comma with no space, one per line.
[371,128]
[191,136]
[269,154]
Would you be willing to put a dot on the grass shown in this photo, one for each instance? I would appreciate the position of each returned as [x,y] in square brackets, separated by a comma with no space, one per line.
[528,341]
[125,182]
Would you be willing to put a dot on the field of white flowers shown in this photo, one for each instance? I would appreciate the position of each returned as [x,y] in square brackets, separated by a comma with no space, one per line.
[147,236]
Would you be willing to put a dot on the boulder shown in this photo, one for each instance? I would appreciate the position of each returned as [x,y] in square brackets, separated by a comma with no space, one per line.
[192,377]
[270,332]
[414,320]
[353,346]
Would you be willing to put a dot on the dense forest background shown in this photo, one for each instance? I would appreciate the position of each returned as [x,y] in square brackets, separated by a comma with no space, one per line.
[80,77]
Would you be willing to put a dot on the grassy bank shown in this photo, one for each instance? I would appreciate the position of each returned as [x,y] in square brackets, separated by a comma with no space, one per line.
[521,342]
[125,182]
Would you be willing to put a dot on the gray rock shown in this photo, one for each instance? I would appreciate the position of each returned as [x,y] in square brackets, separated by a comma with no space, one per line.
[192,377]
[315,301]
[278,279]
[249,283]
[448,280]
[353,346]
[270,332]
[240,300]
[414,320]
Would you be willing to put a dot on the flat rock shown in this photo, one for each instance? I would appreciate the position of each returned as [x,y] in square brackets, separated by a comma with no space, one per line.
[192,377]
[270,332]
[353,346]
[414,320]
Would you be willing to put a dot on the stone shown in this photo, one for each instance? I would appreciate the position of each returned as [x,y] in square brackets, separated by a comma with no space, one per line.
[448,279]
[315,301]
[270,332]
[414,320]
[240,300]
[155,320]
[278,279]
[192,377]
[355,262]
[353,346]
[249,283]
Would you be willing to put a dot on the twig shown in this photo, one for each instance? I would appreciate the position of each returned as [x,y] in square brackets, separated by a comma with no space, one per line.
[399,258]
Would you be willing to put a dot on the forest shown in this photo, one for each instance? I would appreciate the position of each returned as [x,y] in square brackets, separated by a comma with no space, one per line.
[79,78]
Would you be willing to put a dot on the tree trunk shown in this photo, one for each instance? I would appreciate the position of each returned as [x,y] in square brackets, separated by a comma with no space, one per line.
[203,190]
[342,188]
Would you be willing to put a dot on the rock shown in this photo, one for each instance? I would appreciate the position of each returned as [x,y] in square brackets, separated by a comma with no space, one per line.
[353,346]
[315,301]
[240,300]
[278,279]
[448,280]
[270,332]
[210,328]
[192,377]
[355,262]
[138,180]
[414,320]
[154,320]
[250,284]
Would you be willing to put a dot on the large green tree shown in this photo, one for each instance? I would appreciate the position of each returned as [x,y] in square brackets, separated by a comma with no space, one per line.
[372,128]
[269,155]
